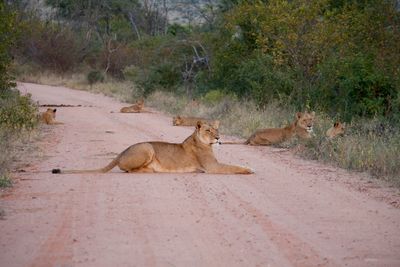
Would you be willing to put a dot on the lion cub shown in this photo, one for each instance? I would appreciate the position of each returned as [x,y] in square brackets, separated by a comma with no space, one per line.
[195,154]
[49,116]
[191,121]
[135,108]
[337,129]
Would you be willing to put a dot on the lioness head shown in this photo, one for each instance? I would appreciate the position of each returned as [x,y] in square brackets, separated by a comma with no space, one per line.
[140,103]
[207,133]
[338,128]
[52,112]
[177,120]
[305,120]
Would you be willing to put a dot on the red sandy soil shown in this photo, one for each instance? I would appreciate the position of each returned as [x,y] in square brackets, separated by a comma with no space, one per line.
[291,212]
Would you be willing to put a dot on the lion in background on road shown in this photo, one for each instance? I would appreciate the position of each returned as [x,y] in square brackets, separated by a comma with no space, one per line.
[49,117]
[135,108]
[195,154]
[192,121]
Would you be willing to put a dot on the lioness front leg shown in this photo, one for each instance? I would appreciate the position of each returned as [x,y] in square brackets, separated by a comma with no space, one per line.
[219,168]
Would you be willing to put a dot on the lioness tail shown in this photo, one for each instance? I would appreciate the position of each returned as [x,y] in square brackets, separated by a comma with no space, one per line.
[105,169]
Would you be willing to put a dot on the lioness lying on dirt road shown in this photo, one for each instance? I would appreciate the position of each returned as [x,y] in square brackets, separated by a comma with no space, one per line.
[195,154]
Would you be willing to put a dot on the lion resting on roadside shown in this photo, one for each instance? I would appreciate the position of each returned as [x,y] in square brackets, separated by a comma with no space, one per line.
[195,154]
[49,116]
[135,108]
[338,128]
[301,127]
[192,121]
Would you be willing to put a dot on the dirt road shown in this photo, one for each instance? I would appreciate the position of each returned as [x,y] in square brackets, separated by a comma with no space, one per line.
[291,212]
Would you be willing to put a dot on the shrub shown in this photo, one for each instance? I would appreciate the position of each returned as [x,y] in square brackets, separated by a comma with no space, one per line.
[49,45]
[95,76]
[213,96]
[165,77]
[16,111]
[5,182]
[354,86]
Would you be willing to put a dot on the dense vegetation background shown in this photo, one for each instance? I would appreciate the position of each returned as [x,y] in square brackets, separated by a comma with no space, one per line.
[339,58]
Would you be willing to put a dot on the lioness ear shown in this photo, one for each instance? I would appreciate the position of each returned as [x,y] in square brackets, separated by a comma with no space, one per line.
[178,117]
[298,115]
[312,114]
[336,124]
[54,110]
[216,124]
[198,124]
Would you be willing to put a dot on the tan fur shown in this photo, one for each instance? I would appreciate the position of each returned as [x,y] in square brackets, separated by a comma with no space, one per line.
[49,116]
[135,108]
[337,129]
[195,154]
[301,127]
[191,121]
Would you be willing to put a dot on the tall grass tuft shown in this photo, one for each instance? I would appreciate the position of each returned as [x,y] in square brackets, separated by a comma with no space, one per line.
[366,146]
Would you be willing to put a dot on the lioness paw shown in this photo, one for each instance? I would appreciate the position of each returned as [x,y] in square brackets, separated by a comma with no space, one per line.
[248,171]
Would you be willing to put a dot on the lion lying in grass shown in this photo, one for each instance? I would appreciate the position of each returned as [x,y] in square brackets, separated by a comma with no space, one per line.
[337,129]
[135,108]
[301,127]
[195,154]
[49,116]
[191,121]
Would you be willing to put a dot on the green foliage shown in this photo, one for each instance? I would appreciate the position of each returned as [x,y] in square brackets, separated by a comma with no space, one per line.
[164,77]
[178,30]
[354,86]
[49,45]
[339,58]
[8,35]
[95,76]
[214,96]
[5,182]
[16,111]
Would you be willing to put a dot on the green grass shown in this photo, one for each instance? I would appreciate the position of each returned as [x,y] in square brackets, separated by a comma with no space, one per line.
[5,181]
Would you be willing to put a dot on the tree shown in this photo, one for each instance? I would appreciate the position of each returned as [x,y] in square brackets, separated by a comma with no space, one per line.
[7,38]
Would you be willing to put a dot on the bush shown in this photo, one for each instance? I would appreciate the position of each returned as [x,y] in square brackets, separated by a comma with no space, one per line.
[5,181]
[165,77]
[116,61]
[354,86]
[16,111]
[95,76]
[213,96]
[49,45]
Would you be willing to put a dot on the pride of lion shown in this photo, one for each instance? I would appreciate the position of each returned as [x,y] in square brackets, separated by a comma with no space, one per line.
[195,154]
